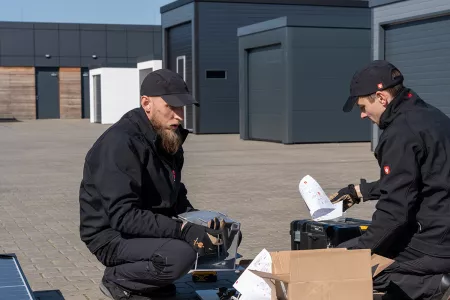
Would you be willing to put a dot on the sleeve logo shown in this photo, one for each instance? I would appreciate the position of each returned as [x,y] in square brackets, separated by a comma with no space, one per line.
[387,170]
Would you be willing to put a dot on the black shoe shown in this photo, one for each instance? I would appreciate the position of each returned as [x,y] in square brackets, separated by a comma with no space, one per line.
[113,291]
[444,287]
[116,292]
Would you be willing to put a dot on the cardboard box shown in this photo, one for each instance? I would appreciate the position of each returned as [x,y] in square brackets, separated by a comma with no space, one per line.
[334,273]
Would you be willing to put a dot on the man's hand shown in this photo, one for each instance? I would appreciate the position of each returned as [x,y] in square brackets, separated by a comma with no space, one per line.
[203,239]
[350,195]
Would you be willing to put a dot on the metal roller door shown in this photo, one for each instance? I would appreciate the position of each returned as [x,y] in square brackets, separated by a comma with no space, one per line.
[265,93]
[180,60]
[421,50]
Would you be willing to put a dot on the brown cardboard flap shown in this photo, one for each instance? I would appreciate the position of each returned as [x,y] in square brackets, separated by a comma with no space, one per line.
[275,282]
[358,289]
[330,264]
[281,262]
[379,263]
[279,277]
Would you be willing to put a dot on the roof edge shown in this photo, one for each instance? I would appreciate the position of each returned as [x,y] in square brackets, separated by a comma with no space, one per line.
[377,3]
[174,5]
[112,65]
[339,3]
[263,26]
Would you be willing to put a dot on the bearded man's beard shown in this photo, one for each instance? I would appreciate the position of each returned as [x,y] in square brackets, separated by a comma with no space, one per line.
[170,139]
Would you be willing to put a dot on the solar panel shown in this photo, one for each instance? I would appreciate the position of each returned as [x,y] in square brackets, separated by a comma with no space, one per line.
[13,284]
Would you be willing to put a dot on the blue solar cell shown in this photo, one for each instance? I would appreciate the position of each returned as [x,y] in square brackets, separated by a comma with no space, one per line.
[13,284]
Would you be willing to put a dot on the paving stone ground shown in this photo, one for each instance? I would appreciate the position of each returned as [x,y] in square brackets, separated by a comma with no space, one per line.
[254,182]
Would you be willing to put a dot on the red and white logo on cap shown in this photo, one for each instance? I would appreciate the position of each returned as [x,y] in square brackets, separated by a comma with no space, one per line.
[387,170]
[380,85]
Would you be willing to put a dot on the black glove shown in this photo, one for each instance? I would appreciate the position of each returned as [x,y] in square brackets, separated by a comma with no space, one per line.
[204,240]
[348,195]
[221,225]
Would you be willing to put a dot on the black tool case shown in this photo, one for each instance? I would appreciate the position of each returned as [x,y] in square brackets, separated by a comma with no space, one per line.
[309,234]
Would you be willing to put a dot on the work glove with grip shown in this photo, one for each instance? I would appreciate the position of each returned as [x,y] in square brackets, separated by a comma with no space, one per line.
[224,228]
[348,195]
[203,239]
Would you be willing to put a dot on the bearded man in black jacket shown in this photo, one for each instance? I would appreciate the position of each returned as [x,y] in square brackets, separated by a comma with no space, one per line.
[131,193]
[411,223]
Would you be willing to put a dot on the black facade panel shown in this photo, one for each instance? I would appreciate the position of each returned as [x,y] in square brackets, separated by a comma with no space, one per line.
[41,61]
[89,27]
[132,60]
[17,61]
[317,117]
[157,45]
[16,42]
[113,27]
[75,44]
[46,42]
[87,61]
[140,27]
[117,60]
[69,43]
[315,62]
[16,25]
[93,42]
[139,43]
[421,50]
[218,43]
[180,60]
[67,61]
[116,43]
[68,26]
[47,26]
[85,94]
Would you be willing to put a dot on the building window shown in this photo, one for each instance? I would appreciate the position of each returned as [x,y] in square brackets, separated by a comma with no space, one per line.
[216,74]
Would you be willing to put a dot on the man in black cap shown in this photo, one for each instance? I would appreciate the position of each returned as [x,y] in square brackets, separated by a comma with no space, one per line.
[131,192]
[411,224]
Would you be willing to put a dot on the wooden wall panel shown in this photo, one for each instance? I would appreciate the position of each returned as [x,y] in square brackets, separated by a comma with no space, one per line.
[17,93]
[70,93]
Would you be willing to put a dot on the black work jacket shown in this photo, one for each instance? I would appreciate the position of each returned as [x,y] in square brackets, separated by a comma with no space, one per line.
[130,185]
[414,186]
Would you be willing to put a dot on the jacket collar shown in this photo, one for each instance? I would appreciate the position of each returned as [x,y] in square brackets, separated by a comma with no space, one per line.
[393,109]
[149,132]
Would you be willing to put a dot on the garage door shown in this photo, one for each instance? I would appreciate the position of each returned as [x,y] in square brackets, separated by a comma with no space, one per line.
[180,60]
[265,93]
[421,50]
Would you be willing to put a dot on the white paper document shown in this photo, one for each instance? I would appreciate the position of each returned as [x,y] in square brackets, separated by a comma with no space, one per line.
[251,286]
[318,203]
[336,213]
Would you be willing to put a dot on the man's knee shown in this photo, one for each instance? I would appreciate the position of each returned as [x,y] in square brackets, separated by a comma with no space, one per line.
[174,260]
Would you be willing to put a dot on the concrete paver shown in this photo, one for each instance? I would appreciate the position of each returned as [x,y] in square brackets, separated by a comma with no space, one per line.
[255,182]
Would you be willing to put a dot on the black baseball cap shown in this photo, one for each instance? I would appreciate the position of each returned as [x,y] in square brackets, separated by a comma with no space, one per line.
[168,85]
[376,76]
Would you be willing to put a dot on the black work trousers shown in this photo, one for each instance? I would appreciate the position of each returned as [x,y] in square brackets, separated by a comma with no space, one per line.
[413,275]
[143,265]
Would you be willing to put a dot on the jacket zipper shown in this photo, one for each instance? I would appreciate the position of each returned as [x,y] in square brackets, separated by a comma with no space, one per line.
[173,170]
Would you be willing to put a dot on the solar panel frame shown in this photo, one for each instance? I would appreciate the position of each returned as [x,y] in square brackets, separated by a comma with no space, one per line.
[24,281]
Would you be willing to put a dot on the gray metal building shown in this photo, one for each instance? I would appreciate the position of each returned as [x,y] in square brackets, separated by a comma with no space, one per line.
[44,66]
[294,78]
[200,41]
[415,36]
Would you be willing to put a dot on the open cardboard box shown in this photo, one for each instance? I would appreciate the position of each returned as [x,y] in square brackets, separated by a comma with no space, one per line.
[335,273]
